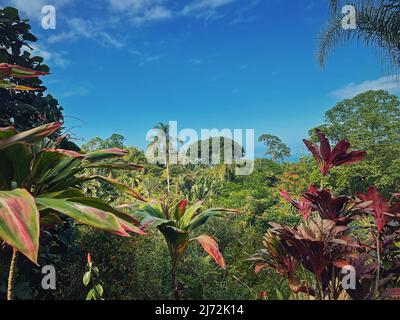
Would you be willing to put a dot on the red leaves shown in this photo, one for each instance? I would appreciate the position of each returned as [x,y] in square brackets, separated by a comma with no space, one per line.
[377,205]
[182,207]
[329,207]
[328,158]
[211,247]
[89,259]
[303,205]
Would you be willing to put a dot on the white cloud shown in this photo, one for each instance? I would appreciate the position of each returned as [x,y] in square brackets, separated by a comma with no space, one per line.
[204,8]
[142,11]
[50,57]
[33,8]
[144,57]
[388,83]
[80,28]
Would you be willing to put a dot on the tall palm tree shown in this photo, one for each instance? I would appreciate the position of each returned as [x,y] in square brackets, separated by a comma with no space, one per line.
[165,129]
[378,25]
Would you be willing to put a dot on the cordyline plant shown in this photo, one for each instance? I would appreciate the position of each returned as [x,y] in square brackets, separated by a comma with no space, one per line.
[17,72]
[40,183]
[326,240]
[177,222]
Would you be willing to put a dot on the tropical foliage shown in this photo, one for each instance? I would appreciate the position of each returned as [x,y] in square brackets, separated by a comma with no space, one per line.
[177,222]
[327,238]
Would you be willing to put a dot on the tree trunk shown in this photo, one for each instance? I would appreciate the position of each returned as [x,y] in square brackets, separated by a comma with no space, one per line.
[11,275]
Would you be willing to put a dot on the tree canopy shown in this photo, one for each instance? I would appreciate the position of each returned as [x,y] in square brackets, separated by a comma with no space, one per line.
[275,147]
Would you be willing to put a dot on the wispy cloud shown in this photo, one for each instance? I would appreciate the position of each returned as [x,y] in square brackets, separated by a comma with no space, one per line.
[33,8]
[388,83]
[142,11]
[79,28]
[204,8]
[144,58]
[50,56]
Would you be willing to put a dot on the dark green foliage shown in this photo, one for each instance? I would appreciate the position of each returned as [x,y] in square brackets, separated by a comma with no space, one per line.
[23,110]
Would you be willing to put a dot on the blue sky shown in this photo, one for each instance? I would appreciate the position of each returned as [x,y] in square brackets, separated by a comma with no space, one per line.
[124,65]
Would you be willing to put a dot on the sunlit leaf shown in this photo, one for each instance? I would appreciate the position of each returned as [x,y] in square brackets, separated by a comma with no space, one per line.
[19,222]
[211,247]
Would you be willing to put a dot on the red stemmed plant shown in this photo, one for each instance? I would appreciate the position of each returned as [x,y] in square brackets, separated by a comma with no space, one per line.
[325,241]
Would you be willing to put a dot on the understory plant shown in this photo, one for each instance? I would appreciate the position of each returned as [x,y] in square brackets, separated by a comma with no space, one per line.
[337,234]
[41,185]
[178,223]
[92,278]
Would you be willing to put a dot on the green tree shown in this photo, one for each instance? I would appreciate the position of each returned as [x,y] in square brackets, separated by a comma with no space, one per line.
[168,147]
[114,141]
[370,121]
[24,110]
[275,147]
[378,24]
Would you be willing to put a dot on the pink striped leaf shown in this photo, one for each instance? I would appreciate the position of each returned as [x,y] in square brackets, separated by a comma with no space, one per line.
[211,247]
[91,216]
[35,134]
[19,222]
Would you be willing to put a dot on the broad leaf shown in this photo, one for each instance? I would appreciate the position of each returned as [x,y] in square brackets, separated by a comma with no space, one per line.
[189,214]
[93,217]
[105,154]
[211,247]
[19,222]
[30,136]
[149,221]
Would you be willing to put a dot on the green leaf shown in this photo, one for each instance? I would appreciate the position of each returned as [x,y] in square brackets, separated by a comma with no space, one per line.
[105,154]
[33,135]
[98,290]
[11,12]
[51,166]
[189,214]
[86,278]
[174,236]
[20,156]
[93,217]
[149,221]
[90,295]
[50,219]
[19,222]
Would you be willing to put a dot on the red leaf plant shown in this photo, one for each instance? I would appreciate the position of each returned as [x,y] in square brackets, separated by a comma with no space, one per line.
[337,209]
[337,236]
[328,158]
[303,204]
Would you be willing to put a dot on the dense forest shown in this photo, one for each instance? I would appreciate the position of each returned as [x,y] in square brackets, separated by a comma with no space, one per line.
[116,227]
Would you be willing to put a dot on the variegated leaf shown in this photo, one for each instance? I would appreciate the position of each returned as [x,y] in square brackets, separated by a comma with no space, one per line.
[19,222]
[211,247]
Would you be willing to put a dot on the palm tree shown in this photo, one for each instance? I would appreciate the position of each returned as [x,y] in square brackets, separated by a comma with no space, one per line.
[378,25]
[165,129]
